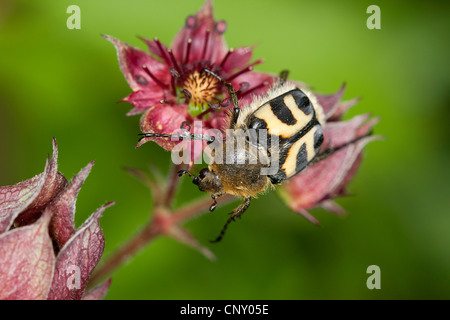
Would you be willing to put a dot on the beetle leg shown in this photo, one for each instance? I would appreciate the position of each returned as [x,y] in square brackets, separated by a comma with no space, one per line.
[283,77]
[237,213]
[214,197]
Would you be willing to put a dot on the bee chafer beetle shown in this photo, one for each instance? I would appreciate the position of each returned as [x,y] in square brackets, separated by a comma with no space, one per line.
[282,135]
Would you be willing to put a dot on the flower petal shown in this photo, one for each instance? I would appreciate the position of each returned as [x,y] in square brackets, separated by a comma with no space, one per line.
[361,131]
[132,60]
[219,119]
[308,216]
[236,58]
[162,119]
[341,132]
[144,99]
[62,225]
[333,207]
[341,109]
[136,111]
[77,259]
[330,102]
[259,84]
[26,261]
[99,292]
[206,36]
[157,48]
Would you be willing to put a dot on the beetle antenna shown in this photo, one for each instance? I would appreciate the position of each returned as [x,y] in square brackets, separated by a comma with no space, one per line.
[184,136]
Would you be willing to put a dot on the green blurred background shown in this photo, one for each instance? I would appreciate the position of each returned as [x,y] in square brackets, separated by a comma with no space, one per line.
[66,83]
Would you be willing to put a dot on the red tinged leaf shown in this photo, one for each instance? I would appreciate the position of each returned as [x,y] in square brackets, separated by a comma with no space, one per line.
[15,199]
[77,259]
[62,225]
[99,292]
[54,183]
[26,261]
[29,198]
[28,266]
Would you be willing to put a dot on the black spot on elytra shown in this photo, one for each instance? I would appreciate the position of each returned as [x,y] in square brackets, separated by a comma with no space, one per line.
[281,111]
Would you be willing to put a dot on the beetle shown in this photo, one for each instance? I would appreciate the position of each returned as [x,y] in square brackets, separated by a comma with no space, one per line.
[287,115]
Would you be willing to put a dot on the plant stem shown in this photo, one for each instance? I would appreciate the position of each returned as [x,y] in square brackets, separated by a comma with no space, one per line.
[162,217]
[201,206]
[172,185]
[136,243]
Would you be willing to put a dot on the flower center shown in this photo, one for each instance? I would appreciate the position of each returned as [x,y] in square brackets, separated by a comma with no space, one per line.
[201,88]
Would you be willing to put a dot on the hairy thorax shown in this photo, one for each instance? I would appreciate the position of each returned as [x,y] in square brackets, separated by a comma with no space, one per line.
[240,168]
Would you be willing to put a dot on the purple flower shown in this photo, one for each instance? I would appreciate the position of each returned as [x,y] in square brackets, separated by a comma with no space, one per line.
[169,86]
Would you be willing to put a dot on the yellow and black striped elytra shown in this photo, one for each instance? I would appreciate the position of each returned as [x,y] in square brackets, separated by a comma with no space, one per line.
[291,115]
